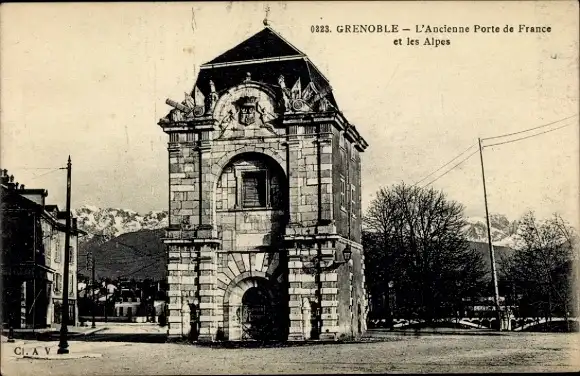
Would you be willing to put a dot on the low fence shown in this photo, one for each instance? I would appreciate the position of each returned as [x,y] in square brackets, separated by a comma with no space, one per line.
[515,324]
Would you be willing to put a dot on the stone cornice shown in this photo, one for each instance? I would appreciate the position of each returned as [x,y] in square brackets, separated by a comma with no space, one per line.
[206,123]
[336,118]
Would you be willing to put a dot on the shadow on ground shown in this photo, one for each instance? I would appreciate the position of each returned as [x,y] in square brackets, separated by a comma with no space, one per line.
[101,336]
[124,337]
[267,344]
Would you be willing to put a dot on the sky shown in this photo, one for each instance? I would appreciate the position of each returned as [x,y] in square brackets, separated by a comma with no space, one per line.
[90,81]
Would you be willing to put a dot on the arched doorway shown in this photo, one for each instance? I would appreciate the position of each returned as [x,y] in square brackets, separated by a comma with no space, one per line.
[254,309]
[258,314]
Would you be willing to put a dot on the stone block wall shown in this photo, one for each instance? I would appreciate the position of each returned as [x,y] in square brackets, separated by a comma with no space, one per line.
[346,185]
[192,278]
[307,287]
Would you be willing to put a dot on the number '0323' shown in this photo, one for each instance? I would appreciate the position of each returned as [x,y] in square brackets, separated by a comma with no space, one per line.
[320,29]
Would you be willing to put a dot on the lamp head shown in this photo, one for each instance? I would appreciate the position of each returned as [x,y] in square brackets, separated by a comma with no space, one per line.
[347,254]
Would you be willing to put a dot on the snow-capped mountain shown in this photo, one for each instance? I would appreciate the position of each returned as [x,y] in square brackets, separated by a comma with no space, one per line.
[112,222]
[503,232]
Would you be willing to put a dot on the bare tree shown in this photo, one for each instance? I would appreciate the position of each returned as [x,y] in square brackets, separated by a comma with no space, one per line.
[417,242]
[542,265]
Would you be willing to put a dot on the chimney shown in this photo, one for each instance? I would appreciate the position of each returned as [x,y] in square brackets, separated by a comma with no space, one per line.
[4,177]
[9,181]
[36,195]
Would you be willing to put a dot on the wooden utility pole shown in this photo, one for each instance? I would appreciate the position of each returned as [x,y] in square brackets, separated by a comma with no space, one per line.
[106,297]
[491,251]
[93,286]
[63,344]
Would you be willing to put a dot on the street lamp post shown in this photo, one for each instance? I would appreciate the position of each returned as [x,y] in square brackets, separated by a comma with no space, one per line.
[11,328]
[63,343]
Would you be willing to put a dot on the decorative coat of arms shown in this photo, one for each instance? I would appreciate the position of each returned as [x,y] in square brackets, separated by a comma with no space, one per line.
[247,110]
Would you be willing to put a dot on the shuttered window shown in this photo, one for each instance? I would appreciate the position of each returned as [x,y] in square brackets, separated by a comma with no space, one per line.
[57,282]
[342,193]
[57,248]
[254,189]
[353,208]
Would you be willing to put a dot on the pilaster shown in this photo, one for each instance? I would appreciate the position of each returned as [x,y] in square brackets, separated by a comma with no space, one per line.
[296,174]
[296,304]
[325,181]
[207,259]
[206,182]
[183,182]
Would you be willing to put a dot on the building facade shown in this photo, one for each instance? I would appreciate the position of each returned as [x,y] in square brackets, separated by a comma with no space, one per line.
[58,262]
[33,236]
[264,236]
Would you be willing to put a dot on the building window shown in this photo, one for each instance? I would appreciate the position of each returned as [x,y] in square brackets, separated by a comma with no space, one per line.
[57,282]
[71,254]
[48,246]
[254,189]
[343,161]
[352,201]
[57,249]
[71,286]
[342,141]
[120,311]
[342,193]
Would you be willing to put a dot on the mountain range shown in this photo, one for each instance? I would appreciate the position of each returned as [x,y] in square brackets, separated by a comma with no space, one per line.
[128,244]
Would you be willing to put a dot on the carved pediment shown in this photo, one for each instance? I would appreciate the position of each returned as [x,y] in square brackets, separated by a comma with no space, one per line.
[244,110]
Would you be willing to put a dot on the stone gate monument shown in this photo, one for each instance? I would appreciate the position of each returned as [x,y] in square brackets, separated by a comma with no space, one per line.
[264,236]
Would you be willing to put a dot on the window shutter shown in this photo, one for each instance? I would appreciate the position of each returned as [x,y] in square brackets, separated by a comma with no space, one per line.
[254,189]
[342,192]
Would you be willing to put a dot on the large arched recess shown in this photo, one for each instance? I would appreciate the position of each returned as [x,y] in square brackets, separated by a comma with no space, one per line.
[274,245]
[271,160]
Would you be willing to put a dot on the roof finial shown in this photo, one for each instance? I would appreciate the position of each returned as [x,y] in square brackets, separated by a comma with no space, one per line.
[267,9]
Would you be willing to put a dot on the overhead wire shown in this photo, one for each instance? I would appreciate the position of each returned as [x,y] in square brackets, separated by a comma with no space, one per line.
[137,270]
[451,169]
[133,247]
[495,144]
[446,164]
[526,137]
[529,129]
[46,173]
